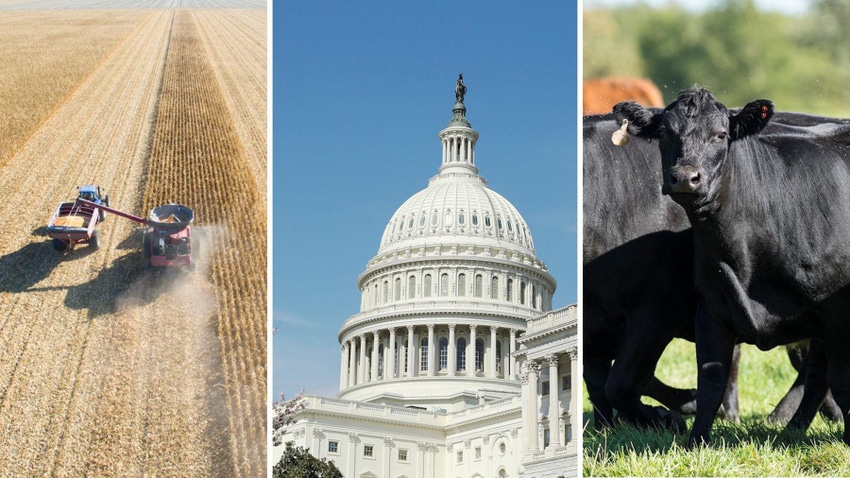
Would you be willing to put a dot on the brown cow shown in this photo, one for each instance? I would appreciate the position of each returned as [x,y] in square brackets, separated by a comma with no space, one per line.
[601,94]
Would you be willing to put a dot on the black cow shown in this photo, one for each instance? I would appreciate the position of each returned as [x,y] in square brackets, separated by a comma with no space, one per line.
[638,289]
[771,221]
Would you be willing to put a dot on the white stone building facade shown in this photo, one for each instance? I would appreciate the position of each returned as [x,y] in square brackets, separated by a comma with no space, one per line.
[438,370]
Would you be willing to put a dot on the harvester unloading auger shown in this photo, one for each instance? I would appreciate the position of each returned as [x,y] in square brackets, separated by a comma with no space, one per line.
[168,239]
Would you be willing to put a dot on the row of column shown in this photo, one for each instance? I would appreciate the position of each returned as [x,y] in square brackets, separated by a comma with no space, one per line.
[397,287]
[458,149]
[356,369]
[530,378]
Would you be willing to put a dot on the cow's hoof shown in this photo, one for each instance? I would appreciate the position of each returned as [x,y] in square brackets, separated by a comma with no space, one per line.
[671,420]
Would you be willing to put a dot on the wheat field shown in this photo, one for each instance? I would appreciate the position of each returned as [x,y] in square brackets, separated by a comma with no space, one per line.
[106,368]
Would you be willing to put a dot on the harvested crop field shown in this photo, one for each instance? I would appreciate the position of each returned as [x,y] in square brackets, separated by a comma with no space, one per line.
[108,368]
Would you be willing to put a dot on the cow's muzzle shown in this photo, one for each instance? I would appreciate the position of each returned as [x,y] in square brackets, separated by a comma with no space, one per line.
[685,179]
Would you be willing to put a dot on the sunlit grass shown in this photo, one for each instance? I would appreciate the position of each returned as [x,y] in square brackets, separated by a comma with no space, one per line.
[752,448]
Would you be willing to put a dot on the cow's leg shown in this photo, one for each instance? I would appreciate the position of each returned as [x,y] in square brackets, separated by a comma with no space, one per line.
[730,398]
[601,339]
[715,349]
[595,375]
[681,400]
[634,366]
[838,375]
[791,401]
[815,387]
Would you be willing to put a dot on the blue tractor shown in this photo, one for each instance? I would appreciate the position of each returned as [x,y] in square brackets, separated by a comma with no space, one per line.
[95,195]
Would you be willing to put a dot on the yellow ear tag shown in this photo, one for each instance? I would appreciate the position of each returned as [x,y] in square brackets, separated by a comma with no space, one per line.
[621,137]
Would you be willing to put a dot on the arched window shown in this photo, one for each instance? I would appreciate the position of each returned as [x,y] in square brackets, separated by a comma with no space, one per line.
[406,351]
[534,296]
[479,285]
[487,220]
[444,285]
[426,286]
[448,218]
[494,288]
[422,219]
[479,355]
[411,287]
[522,292]
[434,218]
[397,289]
[510,297]
[444,353]
[423,355]
[385,295]
[461,285]
[474,218]
[375,296]
[461,354]
[461,218]
[499,357]
[380,361]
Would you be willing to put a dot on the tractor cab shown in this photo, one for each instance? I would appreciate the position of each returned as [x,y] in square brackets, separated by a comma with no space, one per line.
[95,195]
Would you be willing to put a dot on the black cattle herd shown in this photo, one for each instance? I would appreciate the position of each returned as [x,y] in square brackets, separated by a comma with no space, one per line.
[721,227]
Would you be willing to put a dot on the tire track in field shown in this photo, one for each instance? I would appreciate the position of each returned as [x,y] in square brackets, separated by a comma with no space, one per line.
[197,159]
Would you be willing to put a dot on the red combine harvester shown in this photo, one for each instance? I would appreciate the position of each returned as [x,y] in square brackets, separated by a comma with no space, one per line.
[168,239]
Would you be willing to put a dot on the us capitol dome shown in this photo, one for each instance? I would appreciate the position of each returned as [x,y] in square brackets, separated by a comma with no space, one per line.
[455,364]
[454,282]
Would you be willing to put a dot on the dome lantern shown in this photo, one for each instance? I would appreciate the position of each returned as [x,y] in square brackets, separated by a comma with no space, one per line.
[459,138]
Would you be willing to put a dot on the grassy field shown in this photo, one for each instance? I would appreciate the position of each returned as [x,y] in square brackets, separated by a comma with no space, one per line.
[751,448]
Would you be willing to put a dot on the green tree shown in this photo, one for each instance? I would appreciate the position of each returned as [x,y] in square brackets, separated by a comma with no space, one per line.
[299,463]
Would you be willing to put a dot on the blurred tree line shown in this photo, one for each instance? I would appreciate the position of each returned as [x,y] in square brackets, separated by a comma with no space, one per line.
[801,63]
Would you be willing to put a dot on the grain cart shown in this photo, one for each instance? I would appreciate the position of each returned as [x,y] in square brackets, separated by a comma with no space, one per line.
[74,223]
[167,241]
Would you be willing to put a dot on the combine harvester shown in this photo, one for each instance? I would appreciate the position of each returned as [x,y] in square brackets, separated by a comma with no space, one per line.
[167,241]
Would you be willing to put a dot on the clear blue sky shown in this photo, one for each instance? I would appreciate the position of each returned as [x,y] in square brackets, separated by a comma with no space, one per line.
[360,91]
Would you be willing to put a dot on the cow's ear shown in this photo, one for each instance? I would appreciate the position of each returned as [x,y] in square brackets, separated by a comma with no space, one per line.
[643,123]
[751,119]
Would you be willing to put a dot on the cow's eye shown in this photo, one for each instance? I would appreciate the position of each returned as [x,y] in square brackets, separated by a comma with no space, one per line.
[721,135]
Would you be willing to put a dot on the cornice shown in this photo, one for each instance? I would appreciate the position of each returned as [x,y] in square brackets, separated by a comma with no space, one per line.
[427,310]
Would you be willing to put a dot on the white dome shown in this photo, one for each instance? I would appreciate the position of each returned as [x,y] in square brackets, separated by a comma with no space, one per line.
[460,208]
[455,280]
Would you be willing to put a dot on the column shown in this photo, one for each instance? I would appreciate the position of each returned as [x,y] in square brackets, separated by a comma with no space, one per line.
[361,367]
[375,339]
[387,458]
[411,352]
[525,395]
[352,364]
[554,403]
[512,369]
[470,357]
[391,373]
[452,355]
[492,366]
[430,350]
[533,405]
[343,366]
[317,440]
[575,395]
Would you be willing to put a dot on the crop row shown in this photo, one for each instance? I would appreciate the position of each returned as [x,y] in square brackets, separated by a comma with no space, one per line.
[197,159]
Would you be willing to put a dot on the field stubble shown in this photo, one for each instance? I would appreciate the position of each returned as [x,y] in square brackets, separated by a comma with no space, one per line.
[106,370]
